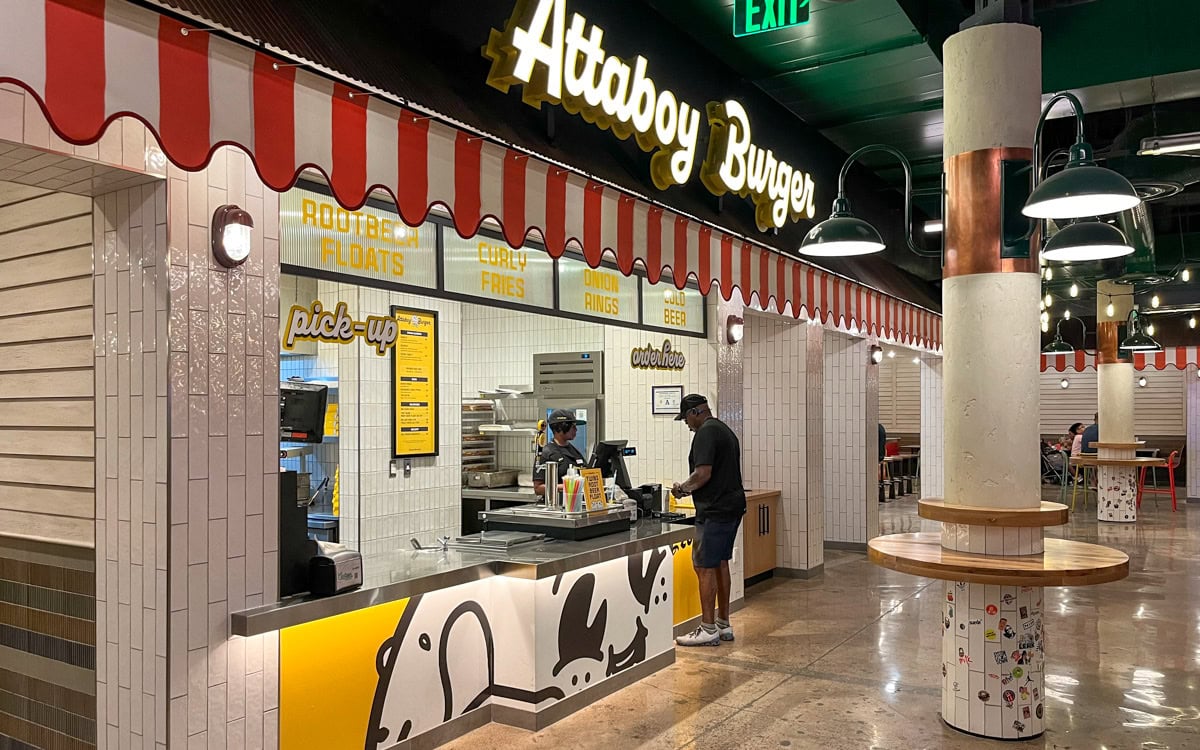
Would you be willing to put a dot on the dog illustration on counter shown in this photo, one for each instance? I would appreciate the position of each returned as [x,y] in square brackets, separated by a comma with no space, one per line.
[440,663]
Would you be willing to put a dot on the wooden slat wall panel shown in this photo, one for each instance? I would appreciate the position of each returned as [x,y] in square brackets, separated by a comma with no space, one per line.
[47,237]
[900,395]
[61,501]
[907,397]
[47,363]
[47,326]
[80,412]
[1158,408]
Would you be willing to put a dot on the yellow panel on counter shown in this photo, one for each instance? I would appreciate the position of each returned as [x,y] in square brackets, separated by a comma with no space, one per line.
[328,677]
[687,586]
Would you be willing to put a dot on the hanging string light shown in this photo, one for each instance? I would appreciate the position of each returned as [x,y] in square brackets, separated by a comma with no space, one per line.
[1192,322]
[1045,317]
[1154,301]
[1074,290]
[1150,329]
[1185,275]
[1049,274]
[1066,314]
[1049,300]
[1111,310]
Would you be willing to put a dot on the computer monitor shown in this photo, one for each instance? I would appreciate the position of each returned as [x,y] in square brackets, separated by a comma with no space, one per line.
[302,412]
[609,458]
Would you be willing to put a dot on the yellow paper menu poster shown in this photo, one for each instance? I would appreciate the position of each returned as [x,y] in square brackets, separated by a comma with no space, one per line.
[415,383]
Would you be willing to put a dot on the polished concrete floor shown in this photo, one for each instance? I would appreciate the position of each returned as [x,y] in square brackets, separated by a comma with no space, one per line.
[850,660]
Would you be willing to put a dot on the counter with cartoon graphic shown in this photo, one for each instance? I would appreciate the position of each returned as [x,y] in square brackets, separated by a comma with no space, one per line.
[450,640]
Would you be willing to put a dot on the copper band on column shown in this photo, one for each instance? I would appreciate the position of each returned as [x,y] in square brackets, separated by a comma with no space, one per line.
[1108,339]
[972,232]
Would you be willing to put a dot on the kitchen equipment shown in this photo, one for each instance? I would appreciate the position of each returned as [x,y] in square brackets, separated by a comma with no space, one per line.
[650,498]
[557,524]
[488,479]
[496,541]
[335,572]
[551,484]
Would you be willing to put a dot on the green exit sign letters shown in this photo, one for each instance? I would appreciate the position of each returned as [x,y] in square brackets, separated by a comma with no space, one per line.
[757,16]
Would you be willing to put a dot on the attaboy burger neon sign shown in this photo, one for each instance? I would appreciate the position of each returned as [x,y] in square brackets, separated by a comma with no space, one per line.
[568,66]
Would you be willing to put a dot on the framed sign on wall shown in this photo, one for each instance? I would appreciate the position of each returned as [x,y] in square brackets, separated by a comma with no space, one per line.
[665,399]
[415,383]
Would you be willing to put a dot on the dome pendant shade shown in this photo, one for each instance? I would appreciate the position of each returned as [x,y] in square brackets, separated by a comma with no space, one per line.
[841,235]
[1087,240]
[1058,346]
[1081,189]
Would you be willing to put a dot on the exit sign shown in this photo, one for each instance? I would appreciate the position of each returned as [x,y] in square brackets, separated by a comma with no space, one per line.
[757,16]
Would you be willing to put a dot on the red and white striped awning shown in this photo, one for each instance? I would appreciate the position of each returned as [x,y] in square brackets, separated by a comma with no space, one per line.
[1179,357]
[89,62]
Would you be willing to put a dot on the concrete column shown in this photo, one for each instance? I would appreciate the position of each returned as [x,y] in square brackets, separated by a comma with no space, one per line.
[992,646]
[1116,485]
[1114,372]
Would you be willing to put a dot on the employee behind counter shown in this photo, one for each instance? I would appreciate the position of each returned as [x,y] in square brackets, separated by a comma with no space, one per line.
[562,425]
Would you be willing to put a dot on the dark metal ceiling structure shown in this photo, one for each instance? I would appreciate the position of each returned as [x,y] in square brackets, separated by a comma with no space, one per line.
[870,71]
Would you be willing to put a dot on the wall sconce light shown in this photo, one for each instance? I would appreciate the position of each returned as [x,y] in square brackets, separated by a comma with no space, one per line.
[876,353]
[1064,384]
[1141,382]
[231,227]
[734,328]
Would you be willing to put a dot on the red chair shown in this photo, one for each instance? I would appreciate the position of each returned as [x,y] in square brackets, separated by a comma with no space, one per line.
[891,448]
[1172,464]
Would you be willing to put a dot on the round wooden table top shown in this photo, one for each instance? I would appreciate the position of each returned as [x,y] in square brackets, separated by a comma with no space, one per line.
[1047,514]
[1064,563]
[1135,444]
[1131,462]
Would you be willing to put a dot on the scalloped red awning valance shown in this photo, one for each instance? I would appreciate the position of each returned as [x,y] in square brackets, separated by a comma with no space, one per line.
[89,62]
[1179,357]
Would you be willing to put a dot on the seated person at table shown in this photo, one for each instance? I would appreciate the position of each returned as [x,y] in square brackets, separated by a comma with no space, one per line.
[1091,434]
[1073,440]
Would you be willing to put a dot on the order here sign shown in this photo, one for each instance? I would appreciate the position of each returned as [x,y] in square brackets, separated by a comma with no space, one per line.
[757,16]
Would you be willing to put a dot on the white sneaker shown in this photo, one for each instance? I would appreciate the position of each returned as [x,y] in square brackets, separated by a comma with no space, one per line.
[699,637]
[726,634]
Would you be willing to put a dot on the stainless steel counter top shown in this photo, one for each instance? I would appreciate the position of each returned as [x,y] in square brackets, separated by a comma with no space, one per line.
[406,572]
[522,494]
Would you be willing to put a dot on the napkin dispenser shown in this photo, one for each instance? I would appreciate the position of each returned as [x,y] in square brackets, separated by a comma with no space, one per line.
[334,572]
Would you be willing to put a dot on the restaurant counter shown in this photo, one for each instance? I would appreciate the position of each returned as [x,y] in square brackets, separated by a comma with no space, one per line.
[445,641]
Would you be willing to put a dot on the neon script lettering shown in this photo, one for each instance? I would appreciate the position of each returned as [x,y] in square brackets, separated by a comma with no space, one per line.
[315,323]
[572,68]
[567,64]
[649,358]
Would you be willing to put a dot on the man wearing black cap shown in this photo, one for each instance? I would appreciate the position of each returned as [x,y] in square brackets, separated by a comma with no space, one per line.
[562,424]
[716,487]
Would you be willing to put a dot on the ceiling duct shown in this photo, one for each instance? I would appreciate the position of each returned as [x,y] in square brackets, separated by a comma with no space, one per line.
[1154,177]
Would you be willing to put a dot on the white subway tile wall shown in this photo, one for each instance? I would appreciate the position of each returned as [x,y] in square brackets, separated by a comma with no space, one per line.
[223,494]
[849,506]
[815,440]
[131,298]
[932,427]
[1193,434]
[498,349]
[774,444]
[662,443]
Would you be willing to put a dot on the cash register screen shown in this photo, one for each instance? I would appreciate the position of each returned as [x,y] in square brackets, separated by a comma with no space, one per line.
[302,412]
[609,458]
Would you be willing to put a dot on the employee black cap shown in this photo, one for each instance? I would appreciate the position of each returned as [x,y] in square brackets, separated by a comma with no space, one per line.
[689,402]
[564,416]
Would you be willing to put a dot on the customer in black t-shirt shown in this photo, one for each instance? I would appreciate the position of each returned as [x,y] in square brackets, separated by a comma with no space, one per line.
[715,484]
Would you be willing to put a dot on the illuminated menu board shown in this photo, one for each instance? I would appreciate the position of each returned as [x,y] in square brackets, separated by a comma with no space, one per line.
[490,269]
[603,293]
[315,232]
[664,306]
[415,380]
